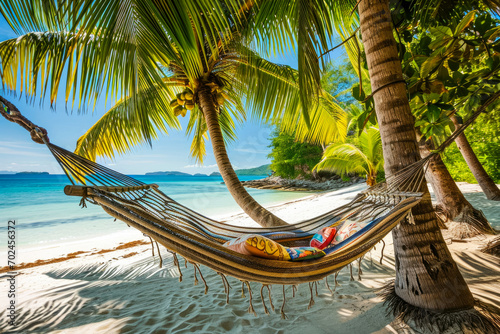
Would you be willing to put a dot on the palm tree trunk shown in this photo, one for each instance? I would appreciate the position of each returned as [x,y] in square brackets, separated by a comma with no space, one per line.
[489,187]
[451,201]
[233,184]
[427,277]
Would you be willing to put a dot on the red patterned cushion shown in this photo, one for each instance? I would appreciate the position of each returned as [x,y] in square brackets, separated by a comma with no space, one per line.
[323,238]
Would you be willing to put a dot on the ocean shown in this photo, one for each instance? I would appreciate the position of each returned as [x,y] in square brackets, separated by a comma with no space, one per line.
[45,216]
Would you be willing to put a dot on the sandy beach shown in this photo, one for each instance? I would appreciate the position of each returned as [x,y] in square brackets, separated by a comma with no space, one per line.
[114,285]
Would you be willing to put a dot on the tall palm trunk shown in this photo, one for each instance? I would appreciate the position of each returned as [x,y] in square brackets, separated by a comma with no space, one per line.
[489,187]
[240,195]
[449,197]
[427,277]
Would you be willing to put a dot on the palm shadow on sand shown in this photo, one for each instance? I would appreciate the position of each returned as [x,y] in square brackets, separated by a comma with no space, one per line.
[141,298]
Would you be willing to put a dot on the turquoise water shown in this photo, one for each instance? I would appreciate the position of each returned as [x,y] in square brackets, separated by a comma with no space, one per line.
[46,216]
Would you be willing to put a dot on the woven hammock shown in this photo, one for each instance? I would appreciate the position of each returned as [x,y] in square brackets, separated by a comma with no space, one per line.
[199,239]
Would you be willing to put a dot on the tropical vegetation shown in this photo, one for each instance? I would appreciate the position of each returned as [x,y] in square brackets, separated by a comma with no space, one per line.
[291,158]
[425,61]
[419,246]
[362,156]
[484,138]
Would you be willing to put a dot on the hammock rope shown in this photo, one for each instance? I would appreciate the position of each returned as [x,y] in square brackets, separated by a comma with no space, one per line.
[200,239]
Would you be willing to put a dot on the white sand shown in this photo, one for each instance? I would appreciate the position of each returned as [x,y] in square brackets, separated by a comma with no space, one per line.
[117,293]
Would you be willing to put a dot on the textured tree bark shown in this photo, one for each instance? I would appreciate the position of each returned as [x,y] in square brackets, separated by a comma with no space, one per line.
[426,275]
[233,184]
[449,197]
[489,187]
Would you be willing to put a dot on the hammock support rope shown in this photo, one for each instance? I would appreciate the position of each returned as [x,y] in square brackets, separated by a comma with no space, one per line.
[200,239]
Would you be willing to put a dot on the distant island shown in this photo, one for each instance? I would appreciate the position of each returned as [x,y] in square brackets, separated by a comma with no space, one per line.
[7,172]
[33,173]
[261,170]
[169,173]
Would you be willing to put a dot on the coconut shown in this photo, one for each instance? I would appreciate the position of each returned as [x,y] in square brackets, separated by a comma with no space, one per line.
[178,110]
[189,105]
[220,99]
[183,112]
[188,95]
[174,103]
[181,101]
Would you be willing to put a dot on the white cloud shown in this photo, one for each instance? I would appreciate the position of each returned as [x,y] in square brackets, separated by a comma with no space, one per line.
[16,151]
[14,144]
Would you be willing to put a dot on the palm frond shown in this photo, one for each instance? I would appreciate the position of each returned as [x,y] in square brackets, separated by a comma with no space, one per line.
[371,145]
[343,158]
[123,126]
[307,24]
[261,28]
[328,123]
[273,96]
[197,127]
[106,43]
[314,31]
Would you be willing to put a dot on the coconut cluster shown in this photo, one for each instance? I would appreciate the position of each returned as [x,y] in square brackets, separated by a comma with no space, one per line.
[183,102]
[218,95]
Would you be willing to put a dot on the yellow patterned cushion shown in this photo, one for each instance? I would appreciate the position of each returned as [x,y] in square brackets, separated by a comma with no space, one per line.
[238,245]
[257,245]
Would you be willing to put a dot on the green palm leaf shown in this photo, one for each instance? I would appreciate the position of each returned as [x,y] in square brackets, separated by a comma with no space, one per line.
[122,127]
[363,158]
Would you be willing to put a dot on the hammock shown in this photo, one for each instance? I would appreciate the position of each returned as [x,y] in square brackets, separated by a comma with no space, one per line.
[199,239]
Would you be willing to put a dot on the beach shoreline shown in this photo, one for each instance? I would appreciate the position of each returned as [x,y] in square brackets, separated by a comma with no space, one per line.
[114,291]
[130,235]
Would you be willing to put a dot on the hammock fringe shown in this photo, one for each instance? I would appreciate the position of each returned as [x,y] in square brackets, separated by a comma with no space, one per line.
[262,298]
[270,297]
[311,301]
[283,315]
[250,307]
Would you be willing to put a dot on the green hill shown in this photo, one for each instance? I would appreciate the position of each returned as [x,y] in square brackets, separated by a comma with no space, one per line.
[261,170]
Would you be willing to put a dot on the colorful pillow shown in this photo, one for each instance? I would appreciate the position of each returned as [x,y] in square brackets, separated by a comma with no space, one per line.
[304,253]
[239,244]
[323,238]
[347,230]
[257,245]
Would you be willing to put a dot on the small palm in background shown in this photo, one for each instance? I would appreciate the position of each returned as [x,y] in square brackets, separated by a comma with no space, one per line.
[362,156]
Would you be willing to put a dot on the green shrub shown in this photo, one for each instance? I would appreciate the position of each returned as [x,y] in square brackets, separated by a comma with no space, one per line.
[291,159]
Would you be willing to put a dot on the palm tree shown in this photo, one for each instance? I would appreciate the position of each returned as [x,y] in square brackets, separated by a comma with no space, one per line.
[452,204]
[427,277]
[160,60]
[489,187]
[419,247]
[363,158]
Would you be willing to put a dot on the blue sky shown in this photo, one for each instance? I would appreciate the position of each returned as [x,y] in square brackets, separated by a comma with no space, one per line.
[169,152]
